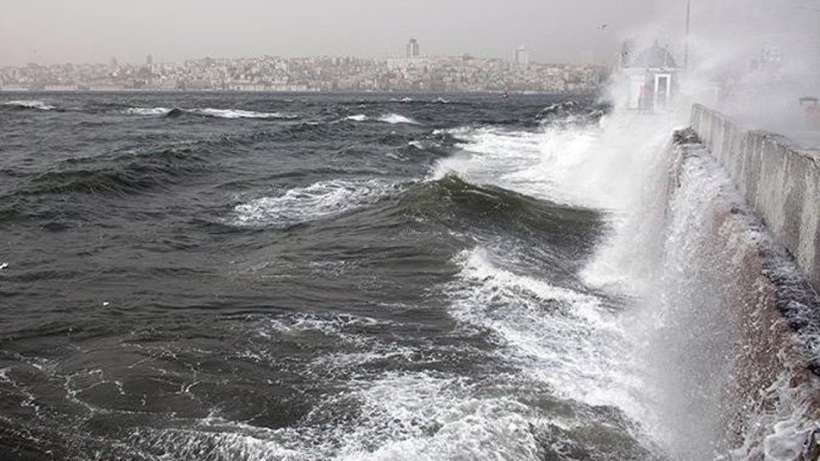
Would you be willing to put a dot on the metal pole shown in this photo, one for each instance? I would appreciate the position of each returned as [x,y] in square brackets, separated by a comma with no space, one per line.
[686,42]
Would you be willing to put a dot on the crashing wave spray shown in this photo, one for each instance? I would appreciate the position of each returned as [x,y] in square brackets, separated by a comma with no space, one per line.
[683,253]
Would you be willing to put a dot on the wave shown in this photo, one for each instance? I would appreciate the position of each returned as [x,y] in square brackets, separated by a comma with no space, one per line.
[208,112]
[356,118]
[29,104]
[569,113]
[526,162]
[305,204]
[395,119]
[140,173]
[391,118]
[564,338]
[490,209]
[148,111]
[238,113]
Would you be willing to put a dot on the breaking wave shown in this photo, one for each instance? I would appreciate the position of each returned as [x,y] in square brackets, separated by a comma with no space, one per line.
[209,112]
[148,111]
[237,113]
[29,104]
[304,204]
[395,119]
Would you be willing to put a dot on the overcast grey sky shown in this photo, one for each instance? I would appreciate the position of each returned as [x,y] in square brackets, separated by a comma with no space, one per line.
[54,31]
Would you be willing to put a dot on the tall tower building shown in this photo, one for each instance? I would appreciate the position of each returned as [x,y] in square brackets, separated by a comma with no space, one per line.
[413,48]
[521,56]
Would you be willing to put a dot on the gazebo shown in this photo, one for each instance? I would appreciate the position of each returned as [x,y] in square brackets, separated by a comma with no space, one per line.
[652,77]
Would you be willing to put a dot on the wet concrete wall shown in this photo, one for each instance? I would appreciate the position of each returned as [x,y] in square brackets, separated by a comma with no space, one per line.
[779,180]
[743,321]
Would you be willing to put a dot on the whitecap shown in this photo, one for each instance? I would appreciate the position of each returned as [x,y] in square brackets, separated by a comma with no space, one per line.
[304,204]
[560,337]
[357,118]
[238,113]
[147,111]
[394,119]
[30,104]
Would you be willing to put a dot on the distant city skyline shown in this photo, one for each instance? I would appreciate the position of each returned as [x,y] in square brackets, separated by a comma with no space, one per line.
[519,54]
[267,73]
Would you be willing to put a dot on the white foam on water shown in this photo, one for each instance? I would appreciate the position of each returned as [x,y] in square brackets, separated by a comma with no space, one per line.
[400,416]
[424,416]
[507,159]
[784,428]
[395,119]
[147,111]
[316,201]
[357,118]
[599,166]
[30,104]
[557,336]
[237,113]
[326,324]
[4,266]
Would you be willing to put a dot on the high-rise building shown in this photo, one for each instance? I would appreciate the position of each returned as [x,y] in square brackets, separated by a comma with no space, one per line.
[413,48]
[521,56]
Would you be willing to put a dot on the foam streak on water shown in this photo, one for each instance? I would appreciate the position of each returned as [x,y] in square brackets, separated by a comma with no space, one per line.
[395,119]
[304,204]
[29,104]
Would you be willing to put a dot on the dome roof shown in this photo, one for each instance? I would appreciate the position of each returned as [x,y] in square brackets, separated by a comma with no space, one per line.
[654,56]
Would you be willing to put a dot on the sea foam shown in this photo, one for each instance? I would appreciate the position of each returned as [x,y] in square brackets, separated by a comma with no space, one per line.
[237,113]
[303,204]
[210,112]
[395,119]
[30,104]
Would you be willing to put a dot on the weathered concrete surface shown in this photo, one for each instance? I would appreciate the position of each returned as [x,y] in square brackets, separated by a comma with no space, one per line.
[780,181]
[745,316]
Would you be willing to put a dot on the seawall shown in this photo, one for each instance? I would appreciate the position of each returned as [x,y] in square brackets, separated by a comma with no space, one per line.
[779,180]
[742,320]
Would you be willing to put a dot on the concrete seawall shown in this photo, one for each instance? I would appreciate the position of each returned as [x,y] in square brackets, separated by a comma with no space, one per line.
[741,344]
[779,180]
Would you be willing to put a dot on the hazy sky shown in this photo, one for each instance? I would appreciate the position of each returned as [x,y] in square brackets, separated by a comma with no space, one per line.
[54,31]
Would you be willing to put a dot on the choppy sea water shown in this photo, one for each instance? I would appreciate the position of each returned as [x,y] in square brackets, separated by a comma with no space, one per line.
[314,277]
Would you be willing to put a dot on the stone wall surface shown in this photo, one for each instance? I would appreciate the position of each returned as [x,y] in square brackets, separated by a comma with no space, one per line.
[779,180]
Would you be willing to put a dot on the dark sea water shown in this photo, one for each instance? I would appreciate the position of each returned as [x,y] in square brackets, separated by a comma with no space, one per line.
[303,277]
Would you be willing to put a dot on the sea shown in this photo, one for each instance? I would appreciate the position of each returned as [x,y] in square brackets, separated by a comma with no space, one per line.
[232,276]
